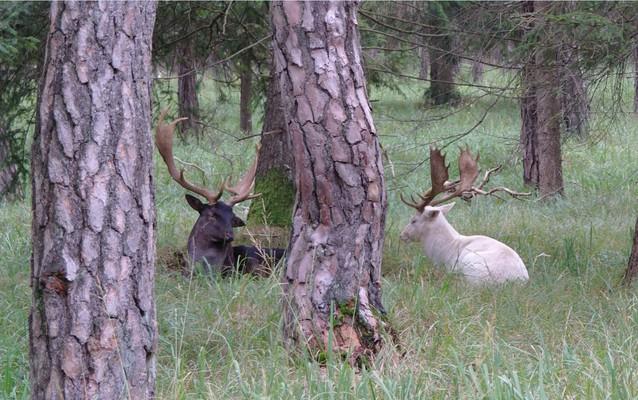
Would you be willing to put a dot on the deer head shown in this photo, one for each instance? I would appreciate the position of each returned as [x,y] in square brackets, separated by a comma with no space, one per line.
[212,235]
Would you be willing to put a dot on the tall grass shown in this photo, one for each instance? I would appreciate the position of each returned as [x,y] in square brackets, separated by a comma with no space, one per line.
[572,332]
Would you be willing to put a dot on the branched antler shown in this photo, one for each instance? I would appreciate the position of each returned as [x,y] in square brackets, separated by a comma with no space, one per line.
[463,187]
[164,142]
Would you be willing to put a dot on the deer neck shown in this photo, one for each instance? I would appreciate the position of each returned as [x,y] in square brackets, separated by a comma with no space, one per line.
[215,253]
[443,244]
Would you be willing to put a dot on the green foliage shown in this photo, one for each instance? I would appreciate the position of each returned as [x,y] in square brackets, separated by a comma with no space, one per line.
[23,27]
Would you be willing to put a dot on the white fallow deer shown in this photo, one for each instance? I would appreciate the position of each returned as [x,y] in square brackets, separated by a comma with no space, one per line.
[479,259]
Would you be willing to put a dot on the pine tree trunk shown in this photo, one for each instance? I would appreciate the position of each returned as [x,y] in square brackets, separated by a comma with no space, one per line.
[443,64]
[425,63]
[8,170]
[442,89]
[187,90]
[635,79]
[332,282]
[550,179]
[93,332]
[529,126]
[574,101]
[245,98]
[274,177]
[540,115]
[573,93]
[477,69]
[632,266]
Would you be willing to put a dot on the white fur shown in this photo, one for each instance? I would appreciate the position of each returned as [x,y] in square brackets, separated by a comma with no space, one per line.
[480,259]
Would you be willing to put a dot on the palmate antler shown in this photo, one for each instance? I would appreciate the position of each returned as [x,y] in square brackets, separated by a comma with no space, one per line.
[164,142]
[462,187]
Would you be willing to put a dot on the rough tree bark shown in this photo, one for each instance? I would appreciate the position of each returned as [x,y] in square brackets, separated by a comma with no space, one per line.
[8,170]
[550,179]
[245,97]
[635,54]
[443,63]
[529,117]
[424,69]
[574,98]
[540,114]
[275,168]
[332,282]
[477,68]
[93,332]
[573,94]
[632,266]
[529,125]
[187,89]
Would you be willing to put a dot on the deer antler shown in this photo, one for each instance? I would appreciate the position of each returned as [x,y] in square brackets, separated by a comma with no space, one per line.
[463,187]
[164,143]
[440,183]
[242,190]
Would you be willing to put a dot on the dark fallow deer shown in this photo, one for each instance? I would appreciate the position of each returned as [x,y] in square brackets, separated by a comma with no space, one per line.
[479,259]
[210,240]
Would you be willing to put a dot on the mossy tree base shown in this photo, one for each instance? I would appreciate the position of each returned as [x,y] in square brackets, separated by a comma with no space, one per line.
[274,206]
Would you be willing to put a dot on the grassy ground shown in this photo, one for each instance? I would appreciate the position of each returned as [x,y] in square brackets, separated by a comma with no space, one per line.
[570,333]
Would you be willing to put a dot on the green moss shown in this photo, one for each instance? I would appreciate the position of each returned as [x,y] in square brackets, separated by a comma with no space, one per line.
[274,206]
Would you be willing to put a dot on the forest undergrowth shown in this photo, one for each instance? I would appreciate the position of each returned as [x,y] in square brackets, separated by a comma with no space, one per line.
[571,332]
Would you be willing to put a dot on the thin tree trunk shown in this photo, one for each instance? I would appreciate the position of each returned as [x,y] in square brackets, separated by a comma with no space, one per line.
[187,90]
[632,266]
[424,56]
[245,98]
[573,94]
[275,168]
[574,101]
[529,126]
[93,332]
[477,69]
[8,170]
[332,282]
[636,79]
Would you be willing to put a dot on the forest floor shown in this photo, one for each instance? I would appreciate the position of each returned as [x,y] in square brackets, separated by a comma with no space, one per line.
[572,332]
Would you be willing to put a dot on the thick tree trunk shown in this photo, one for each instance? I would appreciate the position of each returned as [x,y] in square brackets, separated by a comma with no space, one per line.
[442,89]
[93,333]
[245,98]
[550,179]
[443,64]
[332,282]
[540,116]
[632,266]
[187,90]
[275,171]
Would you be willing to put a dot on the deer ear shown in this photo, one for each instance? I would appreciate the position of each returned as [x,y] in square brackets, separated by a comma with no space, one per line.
[446,208]
[431,213]
[237,222]
[195,203]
